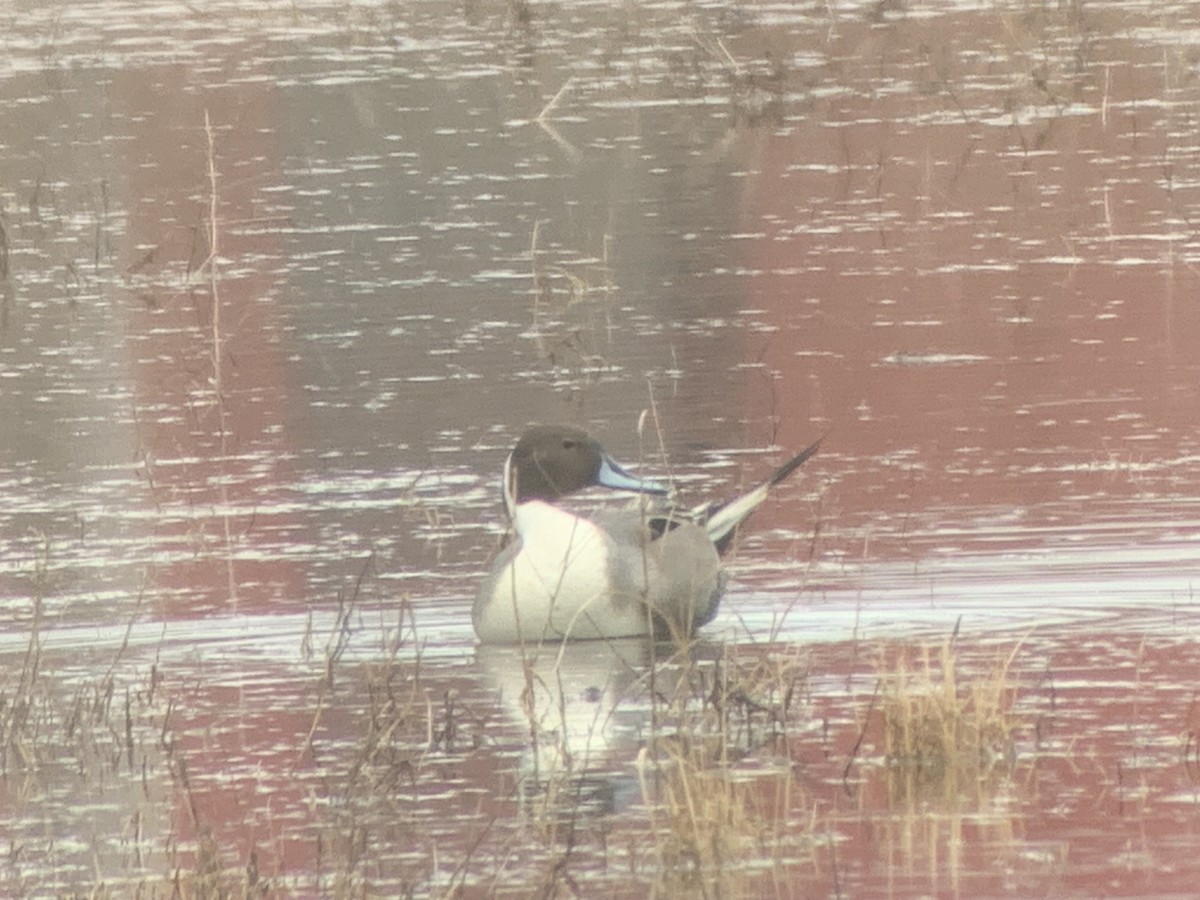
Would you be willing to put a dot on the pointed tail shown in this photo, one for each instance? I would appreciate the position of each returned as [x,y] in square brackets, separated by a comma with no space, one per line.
[723,519]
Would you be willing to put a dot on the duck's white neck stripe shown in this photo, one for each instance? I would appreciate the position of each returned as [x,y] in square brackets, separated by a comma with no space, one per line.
[509,488]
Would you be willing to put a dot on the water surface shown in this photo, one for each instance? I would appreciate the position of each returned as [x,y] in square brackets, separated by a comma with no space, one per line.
[955,237]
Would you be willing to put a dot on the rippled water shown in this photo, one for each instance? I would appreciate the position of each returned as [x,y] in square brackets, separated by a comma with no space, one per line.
[957,237]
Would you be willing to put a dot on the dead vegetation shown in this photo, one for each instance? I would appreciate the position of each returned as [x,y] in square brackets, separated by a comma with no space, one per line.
[941,732]
[717,780]
[685,773]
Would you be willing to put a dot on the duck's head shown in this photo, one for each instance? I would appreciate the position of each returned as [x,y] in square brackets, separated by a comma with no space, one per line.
[551,461]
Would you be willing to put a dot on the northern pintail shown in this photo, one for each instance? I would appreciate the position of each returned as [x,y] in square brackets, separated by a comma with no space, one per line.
[646,568]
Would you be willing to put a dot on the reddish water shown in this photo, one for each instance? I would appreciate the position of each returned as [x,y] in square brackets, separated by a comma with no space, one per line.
[958,239]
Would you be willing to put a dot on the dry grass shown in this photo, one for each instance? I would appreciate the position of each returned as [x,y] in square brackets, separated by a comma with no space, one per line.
[940,730]
[388,749]
[716,784]
[716,778]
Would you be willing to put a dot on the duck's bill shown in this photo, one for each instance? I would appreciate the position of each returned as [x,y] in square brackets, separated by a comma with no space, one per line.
[613,476]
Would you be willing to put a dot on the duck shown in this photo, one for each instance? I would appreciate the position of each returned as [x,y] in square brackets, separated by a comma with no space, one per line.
[644,569]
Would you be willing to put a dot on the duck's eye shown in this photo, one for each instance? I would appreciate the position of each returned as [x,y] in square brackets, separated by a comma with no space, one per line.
[568,444]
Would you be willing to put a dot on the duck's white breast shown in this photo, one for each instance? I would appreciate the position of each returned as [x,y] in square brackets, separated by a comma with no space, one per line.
[560,578]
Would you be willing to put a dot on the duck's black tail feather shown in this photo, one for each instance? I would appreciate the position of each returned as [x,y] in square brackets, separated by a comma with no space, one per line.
[722,520]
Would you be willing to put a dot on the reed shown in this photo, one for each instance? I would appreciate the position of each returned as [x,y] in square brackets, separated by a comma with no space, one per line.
[940,729]
[716,778]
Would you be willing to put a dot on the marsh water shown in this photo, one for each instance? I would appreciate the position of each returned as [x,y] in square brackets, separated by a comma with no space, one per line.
[959,239]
